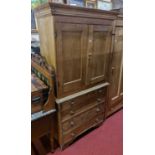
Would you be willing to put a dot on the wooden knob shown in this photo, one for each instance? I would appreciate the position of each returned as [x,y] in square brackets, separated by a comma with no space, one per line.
[99,100]
[97,119]
[73,134]
[72,123]
[71,112]
[100,91]
[72,102]
[98,109]
[89,54]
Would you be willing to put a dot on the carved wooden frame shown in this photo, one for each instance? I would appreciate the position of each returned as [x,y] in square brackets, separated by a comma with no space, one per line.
[50,103]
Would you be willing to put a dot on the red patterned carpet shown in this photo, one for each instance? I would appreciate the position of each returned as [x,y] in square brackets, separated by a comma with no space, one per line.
[105,140]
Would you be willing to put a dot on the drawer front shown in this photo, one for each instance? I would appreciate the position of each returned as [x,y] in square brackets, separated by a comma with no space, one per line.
[82,128]
[89,96]
[83,117]
[74,106]
[36,102]
[36,98]
[76,101]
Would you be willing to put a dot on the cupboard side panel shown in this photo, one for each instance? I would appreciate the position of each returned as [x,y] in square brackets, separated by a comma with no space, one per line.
[47,39]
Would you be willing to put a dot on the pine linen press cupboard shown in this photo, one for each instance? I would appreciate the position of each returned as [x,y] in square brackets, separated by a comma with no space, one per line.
[79,43]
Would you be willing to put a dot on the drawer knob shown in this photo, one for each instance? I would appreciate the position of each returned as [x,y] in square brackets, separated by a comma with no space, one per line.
[72,102]
[72,123]
[97,119]
[100,91]
[73,134]
[98,109]
[71,112]
[99,100]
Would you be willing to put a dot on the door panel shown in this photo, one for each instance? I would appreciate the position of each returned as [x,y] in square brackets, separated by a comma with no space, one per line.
[72,58]
[71,44]
[98,49]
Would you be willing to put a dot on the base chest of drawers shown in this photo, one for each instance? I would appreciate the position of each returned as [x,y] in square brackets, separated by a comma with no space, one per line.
[79,112]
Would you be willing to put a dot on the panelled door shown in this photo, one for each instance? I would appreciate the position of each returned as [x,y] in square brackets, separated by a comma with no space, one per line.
[99,44]
[116,74]
[71,43]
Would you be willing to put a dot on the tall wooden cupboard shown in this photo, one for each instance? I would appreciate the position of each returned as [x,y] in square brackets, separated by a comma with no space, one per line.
[84,47]
[76,42]
[116,70]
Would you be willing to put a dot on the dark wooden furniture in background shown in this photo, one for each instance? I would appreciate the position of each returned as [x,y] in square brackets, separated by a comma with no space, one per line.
[42,124]
[116,70]
[79,112]
[39,94]
[42,104]
[42,70]
[76,41]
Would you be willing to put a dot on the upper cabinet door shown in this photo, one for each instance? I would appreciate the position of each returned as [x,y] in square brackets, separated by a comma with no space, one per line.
[99,44]
[71,44]
[116,75]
